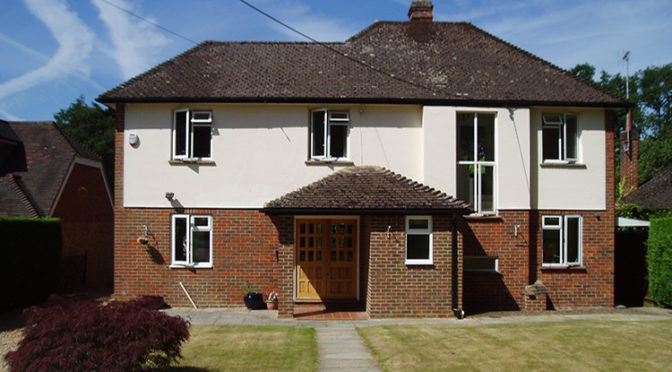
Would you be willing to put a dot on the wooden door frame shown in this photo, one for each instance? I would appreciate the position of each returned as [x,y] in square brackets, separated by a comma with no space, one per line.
[325,217]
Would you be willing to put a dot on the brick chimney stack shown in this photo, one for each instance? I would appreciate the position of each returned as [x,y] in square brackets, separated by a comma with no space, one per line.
[421,11]
[630,161]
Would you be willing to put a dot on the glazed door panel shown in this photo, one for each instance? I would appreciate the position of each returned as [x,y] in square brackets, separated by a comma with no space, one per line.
[326,259]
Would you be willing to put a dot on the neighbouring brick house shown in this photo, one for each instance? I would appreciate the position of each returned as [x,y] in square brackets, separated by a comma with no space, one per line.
[303,167]
[46,173]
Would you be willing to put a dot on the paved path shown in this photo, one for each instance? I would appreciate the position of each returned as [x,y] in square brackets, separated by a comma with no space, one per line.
[341,348]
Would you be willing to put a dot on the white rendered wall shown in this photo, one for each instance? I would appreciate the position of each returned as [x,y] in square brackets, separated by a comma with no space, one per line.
[259,152]
[581,187]
[512,138]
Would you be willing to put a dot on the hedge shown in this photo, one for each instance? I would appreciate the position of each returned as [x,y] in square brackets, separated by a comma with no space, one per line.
[30,256]
[660,261]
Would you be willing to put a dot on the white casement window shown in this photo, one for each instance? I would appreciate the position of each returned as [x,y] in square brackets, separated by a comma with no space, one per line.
[560,138]
[329,135]
[487,264]
[191,242]
[192,135]
[562,240]
[419,240]
[476,164]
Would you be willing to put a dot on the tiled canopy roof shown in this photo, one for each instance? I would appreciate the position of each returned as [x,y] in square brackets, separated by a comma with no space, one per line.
[389,62]
[366,189]
[654,193]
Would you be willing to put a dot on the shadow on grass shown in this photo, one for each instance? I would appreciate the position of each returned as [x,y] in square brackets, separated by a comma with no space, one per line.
[187,369]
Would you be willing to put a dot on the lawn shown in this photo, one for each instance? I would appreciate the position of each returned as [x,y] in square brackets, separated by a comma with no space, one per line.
[576,345]
[245,348]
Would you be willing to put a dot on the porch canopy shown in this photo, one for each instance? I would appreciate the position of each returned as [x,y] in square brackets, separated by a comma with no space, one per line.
[366,190]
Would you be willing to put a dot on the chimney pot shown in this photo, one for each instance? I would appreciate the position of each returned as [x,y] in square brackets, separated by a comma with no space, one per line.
[421,11]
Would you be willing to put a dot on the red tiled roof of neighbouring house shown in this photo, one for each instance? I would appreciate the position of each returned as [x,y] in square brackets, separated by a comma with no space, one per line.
[388,62]
[47,154]
[655,193]
[366,189]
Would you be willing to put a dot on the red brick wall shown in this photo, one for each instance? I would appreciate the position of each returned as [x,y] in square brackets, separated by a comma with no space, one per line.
[87,221]
[494,236]
[244,250]
[395,289]
[630,162]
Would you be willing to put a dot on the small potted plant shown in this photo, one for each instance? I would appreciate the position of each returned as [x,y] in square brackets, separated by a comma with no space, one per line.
[271,300]
[253,299]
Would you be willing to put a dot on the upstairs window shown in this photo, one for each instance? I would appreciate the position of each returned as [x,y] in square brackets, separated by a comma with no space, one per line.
[476,161]
[560,138]
[191,242]
[192,135]
[329,135]
[562,240]
[419,240]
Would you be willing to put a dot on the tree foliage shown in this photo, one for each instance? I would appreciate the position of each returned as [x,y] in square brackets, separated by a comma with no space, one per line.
[93,126]
[651,93]
[79,335]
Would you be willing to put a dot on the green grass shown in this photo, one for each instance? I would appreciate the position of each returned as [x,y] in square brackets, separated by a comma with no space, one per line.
[576,345]
[245,348]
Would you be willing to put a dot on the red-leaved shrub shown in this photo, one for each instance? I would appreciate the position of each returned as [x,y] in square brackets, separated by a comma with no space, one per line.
[76,335]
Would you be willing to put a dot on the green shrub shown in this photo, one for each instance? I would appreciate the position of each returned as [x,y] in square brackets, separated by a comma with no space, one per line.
[30,256]
[660,261]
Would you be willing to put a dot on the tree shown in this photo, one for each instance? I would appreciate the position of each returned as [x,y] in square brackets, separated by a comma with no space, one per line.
[585,71]
[92,126]
[651,93]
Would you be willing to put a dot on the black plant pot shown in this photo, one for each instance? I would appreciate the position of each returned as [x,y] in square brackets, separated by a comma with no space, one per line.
[255,301]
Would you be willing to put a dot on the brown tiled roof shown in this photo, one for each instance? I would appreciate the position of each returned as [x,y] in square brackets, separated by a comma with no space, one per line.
[49,153]
[655,193]
[389,62]
[366,189]
[14,198]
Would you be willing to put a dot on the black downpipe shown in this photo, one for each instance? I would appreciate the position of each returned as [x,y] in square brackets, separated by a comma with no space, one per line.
[459,313]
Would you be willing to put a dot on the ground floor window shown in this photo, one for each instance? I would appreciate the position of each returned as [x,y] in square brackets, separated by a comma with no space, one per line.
[562,240]
[481,264]
[191,242]
[419,240]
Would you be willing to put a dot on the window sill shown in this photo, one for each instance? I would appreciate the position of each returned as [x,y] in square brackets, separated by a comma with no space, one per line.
[190,267]
[562,268]
[419,263]
[483,217]
[191,162]
[563,165]
[495,272]
[343,163]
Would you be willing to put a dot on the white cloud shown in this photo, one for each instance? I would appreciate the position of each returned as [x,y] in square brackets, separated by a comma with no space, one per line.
[8,116]
[137,44]
[303,19]
[75,42]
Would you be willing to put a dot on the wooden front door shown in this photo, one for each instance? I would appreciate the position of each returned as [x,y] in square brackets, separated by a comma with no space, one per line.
[326,259]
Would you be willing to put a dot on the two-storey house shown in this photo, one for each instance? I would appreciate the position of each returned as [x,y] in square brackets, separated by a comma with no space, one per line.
[418,168]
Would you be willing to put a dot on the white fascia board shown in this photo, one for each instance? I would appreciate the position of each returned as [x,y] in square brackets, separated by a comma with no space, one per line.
[631,222]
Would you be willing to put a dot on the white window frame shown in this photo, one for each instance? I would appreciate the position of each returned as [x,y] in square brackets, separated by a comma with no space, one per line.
[495,269]
[330,120]
[427,231]
[478,165]
[563,240]
[559,121]
[191,228]
[189,138]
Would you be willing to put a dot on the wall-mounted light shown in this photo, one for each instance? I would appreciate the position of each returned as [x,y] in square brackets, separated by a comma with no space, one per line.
[515,230]
[133,139]
[597,215]
[170,195]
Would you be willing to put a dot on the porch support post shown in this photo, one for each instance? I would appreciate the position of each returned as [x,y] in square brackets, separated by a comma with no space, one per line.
[286,266]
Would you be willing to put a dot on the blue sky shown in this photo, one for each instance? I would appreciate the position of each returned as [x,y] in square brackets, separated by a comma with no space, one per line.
[52,51]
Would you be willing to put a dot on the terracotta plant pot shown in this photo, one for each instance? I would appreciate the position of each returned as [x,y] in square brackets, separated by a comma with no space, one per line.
[272,305]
